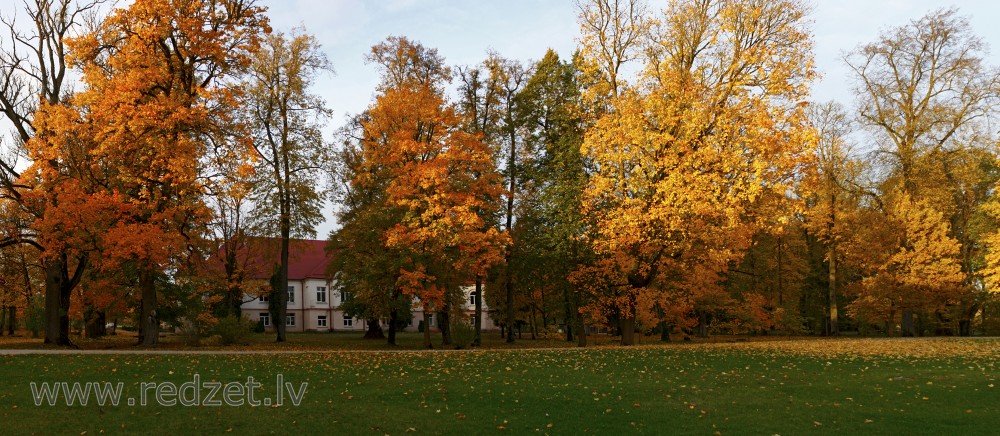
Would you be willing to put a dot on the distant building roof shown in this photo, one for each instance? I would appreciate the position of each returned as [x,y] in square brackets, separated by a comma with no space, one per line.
[307,258]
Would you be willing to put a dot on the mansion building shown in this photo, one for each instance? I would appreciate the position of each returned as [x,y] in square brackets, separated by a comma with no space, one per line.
[314,300]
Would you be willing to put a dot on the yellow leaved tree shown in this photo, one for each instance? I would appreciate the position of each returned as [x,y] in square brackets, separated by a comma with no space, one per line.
[685,152]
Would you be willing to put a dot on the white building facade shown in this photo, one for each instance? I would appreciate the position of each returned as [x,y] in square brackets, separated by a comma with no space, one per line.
[314,301]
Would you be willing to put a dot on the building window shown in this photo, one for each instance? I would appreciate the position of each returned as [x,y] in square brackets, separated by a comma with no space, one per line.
[348,322]
[291,294]
[321,294]
[321,321]
[265,318]
[263,298]
[345,296]
[290,320]
[472,298]
[430,320]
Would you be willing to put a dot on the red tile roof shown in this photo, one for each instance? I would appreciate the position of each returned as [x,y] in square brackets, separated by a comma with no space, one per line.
[307,258]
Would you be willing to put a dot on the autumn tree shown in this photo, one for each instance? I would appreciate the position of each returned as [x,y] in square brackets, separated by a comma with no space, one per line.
[922,274]
[489,100]
[924,93]
[364,265]
[550,107]
[684,156]
[233,227]
[436,175]
[157,85]
[33,70]
[830,190]
[287,120]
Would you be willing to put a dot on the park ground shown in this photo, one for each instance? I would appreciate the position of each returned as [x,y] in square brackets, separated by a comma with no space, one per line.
[791,386]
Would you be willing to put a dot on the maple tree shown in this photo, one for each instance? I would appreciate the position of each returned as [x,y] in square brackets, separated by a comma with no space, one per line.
[33,71]
[156,76]
[479,101]
[684,156]
[364,266]
[436,176]
[921,275]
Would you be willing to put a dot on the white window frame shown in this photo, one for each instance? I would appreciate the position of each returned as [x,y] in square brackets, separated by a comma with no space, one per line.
[349,322]
[263,298]
[321,321]
[266,317]
[289,320]
[291,294]
[321,294]
[473,296]
[345,296]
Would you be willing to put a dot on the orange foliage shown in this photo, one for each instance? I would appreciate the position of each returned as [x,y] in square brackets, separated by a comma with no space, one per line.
[119,165]
[685,157]
[440,177]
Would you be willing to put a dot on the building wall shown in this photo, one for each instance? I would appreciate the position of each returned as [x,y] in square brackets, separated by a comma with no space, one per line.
[307,307]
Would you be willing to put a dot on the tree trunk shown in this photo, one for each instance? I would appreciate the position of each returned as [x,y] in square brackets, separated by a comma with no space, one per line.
[665,332]
[444,324]
[508,271]
[833,329]
[54,334]
[393,317]
[781,296]
[149,322]
[478,316]
[374,330]
[58,290]
[568,314]
[534,323]
[510,299]
[702,325]
[427,330]
[94,322]
[11,320]
[581,323]
[281,291]
[628,329]
[3,319]
[907,324]
[965,327]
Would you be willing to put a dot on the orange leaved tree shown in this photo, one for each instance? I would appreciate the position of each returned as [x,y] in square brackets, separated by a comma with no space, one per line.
[158,85]
[437,176]
[684,156]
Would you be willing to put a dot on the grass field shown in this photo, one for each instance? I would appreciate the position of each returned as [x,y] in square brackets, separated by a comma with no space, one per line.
[874,386]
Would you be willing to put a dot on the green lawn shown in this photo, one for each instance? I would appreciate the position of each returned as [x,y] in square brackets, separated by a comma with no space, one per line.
[298,341]
[916,386]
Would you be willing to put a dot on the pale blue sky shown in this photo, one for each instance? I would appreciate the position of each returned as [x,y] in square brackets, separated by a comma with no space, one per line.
[463,31]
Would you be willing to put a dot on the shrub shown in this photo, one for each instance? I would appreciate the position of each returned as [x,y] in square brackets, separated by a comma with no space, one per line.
[462,333]
[34,320]
[234,330]
[190,333]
